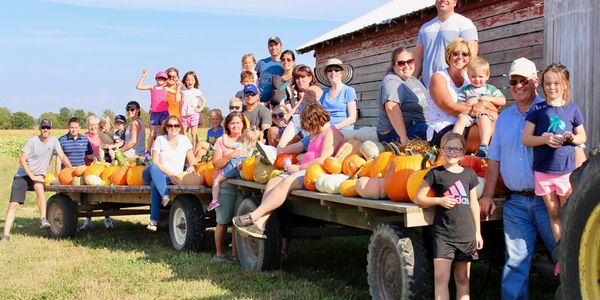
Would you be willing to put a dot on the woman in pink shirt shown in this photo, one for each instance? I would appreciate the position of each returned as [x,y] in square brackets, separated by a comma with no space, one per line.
[93,137]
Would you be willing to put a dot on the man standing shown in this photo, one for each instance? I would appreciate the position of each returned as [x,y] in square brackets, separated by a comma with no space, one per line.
[257,114]
[524,213]
[436,34]
[76,146]
[34,160]
[267,67]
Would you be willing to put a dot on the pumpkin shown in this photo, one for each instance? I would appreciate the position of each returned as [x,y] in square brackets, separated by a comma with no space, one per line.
[330,183]
[414,182]
[370,150]
[367,134]
[248,166]
[312,173]
[107,172]
[473,140]
[262,172]
[49,178]
[77,180]
[370,188]
[65,177]
[79,170]
[119,176]
[348,188]
[352,164]
[134,175]
[275,173]
[483,168]
[94,169]
[381,164]
[397,173]
[280,161]
[332,165]
[92,180]
[209,174]
[348,148]
[192,179]
[200,168]
[365,170]
[471,162]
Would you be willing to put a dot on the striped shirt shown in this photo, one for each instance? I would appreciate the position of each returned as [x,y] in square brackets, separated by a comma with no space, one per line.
[76,149]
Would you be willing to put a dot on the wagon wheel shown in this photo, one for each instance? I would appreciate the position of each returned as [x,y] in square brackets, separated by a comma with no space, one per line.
[62,215]
[186,223]
[256,254]
[397,265]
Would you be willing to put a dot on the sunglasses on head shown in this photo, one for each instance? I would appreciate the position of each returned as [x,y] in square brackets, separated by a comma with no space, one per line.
[279,115]
[402,63]
[235,107]
[173,125]
[514,82]
[46,127]
[333,70]
[249,94]
[463,54]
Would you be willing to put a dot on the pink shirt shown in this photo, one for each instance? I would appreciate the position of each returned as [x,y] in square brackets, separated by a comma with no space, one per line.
[224,145]
[158,100]
[95,142]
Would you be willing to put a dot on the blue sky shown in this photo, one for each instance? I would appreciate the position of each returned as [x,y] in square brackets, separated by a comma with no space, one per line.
[90,54]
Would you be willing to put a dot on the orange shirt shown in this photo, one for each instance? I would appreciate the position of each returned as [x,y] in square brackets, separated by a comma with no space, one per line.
[174,106]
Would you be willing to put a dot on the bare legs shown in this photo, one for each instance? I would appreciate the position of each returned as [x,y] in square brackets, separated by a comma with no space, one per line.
[12,208]
[553,204]
[462,274]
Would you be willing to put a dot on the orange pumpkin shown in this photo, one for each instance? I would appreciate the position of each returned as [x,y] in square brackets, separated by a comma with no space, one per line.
[108,171]
[370,188]
[397,173]
[49,178]
[414,181]
[134,175]
[94,169]
[119,176]
[381,164]
[65,177]
[280,161]
[79,170]
[471,162]
[248,167]
[348,188]
[312,173]
[473,140]
[200,167]
[352,164]
[332,165]
[209,174]
[365,170]
[348,148]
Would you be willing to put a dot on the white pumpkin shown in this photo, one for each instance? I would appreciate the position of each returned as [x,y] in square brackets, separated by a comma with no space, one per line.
[479,187]
[330,183]
[367,134]
[370,150]
[92,180]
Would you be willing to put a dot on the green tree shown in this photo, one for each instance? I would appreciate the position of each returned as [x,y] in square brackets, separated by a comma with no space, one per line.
[82,115]
[64,114]
[109,113]
[53,118]
[5,115]
[145,116]
[21,120]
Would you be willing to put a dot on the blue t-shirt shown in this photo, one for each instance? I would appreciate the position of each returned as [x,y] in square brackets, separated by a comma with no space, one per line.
[338,106]
[265,69]
[75,149]
[556,120]
[212,135]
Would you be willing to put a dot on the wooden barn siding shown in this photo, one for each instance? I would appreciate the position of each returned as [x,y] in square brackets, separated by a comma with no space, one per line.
[508,29]
[572,39]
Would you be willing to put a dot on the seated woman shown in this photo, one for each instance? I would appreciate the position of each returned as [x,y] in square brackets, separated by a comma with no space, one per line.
[402,101]
[323,141]
[135,133]
[339,99]
[169,152]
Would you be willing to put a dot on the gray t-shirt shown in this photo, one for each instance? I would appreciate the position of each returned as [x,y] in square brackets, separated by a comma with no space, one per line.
[39,155]
[260,115]
[411,94]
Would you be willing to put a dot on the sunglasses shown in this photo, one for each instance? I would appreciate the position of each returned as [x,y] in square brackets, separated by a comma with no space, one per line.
[131,109]
[287,59]
[402,63]
[235,107]
[514,82]
[172,76]
[457,53]
[249,94]
[279,115]
[333,70]
[46,127]
[173,125]
[453,149]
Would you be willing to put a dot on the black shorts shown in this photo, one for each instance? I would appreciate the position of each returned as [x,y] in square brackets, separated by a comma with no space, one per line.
[19,188]
[458,251]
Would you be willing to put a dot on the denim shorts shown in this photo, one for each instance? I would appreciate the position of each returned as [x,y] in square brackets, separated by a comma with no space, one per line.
[229,199]
[415,130]
[157,118]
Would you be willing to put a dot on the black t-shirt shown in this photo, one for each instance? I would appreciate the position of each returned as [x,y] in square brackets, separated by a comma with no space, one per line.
[282,90]
[455,224]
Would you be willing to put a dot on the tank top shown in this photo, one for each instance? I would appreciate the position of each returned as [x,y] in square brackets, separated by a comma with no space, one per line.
[158,100]
[174,107]
[316,145]
[140,144]
[437,118]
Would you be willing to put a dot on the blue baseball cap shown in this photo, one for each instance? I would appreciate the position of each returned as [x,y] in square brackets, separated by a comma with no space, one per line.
[120,118]
[250,88]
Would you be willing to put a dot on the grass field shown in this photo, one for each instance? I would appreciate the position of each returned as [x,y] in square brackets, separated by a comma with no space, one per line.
[131,263]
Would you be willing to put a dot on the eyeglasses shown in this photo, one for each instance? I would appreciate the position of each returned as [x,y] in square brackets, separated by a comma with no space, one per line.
[453,149]
[402,63]
[457,53]
[235,107]
[173,126]
[172,76]
[279,115]
[46,127]
[249,94]
[514,82]
[333,70]
[287,59]
[131,109]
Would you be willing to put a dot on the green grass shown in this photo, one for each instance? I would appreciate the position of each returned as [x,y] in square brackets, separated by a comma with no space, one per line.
[131,263]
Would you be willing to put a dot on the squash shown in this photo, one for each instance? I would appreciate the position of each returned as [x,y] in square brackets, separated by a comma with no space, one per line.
[332,165]
[79,170]
[352,164]
[367,134]
[414,182]
[275,173]
[280,161]
[192,179]
[348,148]
[92,180]
[365,170]
[134,175]
[209,174]
[248,166]
[471,162]
[348,188]
[397,174]
[119,177]
[262,172]
[65,177]
[94,169]
[370,188]
[77,180]
[473,140]
[381,164]
[49,178]
[108,171]
[330,183]
[200,168]
[120,158]
[370,150]
[312,173]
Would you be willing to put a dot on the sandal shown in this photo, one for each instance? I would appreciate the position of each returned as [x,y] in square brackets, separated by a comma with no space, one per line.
[152,226]
[242,221]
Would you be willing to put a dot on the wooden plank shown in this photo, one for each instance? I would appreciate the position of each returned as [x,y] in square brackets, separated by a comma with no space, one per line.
[400,207]
[527,40]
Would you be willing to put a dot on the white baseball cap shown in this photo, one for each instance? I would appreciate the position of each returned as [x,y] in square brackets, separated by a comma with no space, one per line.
[523,67]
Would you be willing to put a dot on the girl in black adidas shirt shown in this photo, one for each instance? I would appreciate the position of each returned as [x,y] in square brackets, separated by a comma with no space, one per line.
[456,231]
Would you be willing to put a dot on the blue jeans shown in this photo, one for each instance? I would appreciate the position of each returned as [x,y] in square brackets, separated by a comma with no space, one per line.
[415,130]
[158,181]
[523,217]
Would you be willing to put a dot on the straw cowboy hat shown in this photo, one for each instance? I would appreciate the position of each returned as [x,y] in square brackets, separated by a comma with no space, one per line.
[322,76]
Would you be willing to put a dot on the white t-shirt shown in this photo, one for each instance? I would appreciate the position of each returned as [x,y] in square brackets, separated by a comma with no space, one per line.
[172,159]
[437,118]
[189,100]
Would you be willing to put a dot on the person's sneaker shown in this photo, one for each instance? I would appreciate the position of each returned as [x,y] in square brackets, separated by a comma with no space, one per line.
[108,223]
[213,204]
[152,226]
[269,153]
[252,231]
[44,223]
[242,221]
[482,151]
[87,224]
[5,238]
[165,200]
[220,258]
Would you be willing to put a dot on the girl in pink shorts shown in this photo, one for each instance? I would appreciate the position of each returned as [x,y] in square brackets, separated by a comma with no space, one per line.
[190,110]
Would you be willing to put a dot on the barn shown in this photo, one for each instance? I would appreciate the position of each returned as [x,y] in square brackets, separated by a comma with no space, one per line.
[508,29]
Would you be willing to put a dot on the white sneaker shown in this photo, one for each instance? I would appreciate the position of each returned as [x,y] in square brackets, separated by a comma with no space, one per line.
[44,223]
[87,224]
[269,153]
[165,200]
[108,223]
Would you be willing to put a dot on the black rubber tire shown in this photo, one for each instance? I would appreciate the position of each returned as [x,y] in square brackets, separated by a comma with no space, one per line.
[397,264]
[61,212]
[574,216]
[255,254]
[186,223]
